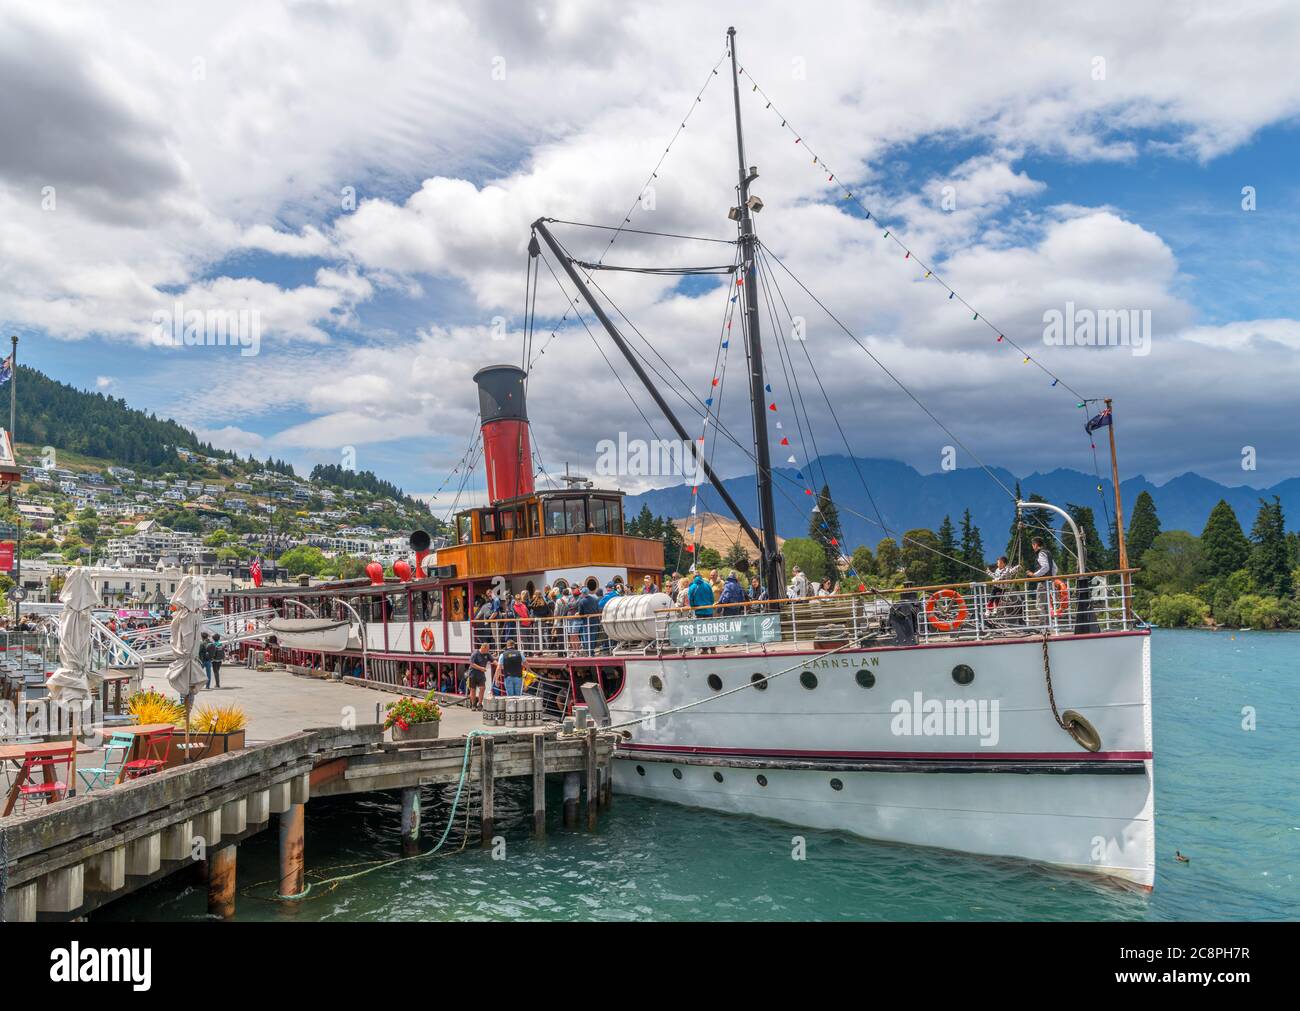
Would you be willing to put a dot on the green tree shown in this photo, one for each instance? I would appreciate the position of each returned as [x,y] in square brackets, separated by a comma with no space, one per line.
[1173,564]
[1098,558]
[1269,561]
[736,557]
[824,528]
[972,546]
[303,559]
[888,558]
[947,564]
[808,555]
[919,557]
[1179,609]
[862,566]
[708,558]
[1143,526]
[1224,545]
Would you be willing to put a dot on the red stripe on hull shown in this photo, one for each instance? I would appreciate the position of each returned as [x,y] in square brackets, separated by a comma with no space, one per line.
[1018,756]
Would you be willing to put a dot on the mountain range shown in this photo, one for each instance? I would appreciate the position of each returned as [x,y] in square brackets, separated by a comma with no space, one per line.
[907,499]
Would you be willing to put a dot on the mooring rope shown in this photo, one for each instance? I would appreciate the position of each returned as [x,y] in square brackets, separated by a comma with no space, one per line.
[330,883]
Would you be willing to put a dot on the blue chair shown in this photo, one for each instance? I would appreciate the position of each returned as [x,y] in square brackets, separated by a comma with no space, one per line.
[107,776]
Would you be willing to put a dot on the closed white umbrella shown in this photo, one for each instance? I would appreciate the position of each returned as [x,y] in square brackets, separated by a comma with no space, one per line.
[70,684]
[185,672]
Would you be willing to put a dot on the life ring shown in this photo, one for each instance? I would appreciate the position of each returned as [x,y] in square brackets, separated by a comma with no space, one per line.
[946,626]
[1058,601]
[426,639]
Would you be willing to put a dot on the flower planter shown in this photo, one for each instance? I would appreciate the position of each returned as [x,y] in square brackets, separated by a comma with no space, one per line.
[219,745]
[417,732]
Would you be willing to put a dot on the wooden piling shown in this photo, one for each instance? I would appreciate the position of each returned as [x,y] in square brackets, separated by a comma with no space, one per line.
[572,787]
[487,783]
[221,882]
[539,786]
[593,780]
[411,820]
[293,837]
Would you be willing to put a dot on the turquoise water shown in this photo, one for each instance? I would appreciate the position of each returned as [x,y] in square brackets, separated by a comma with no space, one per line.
[1225,796]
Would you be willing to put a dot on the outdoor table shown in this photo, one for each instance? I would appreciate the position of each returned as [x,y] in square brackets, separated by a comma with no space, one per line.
[116,682]
[19,753]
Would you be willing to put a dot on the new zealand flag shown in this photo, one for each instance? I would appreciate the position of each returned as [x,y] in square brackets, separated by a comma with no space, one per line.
[1099,421]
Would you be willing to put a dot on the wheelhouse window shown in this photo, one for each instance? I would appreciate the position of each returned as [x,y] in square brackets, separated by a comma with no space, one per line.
[575,516]
[463,528]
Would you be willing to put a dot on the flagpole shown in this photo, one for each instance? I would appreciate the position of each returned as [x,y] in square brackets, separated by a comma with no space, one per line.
[13,444]
[1119,516]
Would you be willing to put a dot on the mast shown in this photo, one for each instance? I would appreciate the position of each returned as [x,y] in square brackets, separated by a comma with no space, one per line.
[772,564]
[566,261]
[13,445]
[1119,515]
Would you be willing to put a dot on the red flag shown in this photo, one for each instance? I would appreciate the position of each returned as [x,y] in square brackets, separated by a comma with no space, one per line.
[255,571]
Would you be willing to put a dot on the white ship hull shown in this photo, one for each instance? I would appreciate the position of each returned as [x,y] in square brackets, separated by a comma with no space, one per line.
[887,745]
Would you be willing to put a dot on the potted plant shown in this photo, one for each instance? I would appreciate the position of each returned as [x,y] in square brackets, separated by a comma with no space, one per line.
[413,719]
[224,724]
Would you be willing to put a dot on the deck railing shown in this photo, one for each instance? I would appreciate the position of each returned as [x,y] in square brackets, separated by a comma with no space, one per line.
[1059,605]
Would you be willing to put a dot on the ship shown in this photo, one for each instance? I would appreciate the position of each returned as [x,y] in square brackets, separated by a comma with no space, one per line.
[1006,718]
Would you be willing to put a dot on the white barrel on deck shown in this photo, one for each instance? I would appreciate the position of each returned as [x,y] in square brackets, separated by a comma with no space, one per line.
[632,618]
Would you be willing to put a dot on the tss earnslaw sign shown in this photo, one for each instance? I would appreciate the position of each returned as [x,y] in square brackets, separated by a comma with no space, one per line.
[725,631]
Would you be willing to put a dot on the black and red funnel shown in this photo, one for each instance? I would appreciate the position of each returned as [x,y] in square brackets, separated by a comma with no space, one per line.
[507,453]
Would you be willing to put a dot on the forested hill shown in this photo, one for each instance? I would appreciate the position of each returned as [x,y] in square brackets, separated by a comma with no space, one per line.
[56,414]
[363,480]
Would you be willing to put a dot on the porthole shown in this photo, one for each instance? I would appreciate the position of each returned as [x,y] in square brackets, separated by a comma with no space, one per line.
[656,682]
[963,674]
[762,780]
[640,770]
[717,777]
[865,678]
[759,681]
[677,773]
[715,682]
[837,784]
[808,679]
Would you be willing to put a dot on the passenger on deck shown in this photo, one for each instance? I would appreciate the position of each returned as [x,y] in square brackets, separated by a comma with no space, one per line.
[648,585]
[732,598]
[798,583]
[589,608]
[1044,565]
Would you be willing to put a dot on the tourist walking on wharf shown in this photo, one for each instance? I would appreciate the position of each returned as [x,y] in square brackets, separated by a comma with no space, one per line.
[205,658]
[217,651]
[511,662]
[476,679]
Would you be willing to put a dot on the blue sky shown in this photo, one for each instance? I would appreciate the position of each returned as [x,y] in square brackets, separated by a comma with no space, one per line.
[223,188]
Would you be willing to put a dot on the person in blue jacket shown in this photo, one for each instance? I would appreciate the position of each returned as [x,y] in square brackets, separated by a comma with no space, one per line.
[733,596]
[700,595]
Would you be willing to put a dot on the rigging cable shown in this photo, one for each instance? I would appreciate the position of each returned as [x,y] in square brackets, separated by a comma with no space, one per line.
[654,174]
[930,272]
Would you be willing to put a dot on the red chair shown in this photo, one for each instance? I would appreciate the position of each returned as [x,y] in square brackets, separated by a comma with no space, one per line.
[42,779]
[156,748]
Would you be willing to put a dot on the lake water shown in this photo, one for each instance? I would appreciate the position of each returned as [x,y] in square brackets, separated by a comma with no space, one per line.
[1225,796]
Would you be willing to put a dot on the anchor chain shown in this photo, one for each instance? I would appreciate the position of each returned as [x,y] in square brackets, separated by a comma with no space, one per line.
[1084,733]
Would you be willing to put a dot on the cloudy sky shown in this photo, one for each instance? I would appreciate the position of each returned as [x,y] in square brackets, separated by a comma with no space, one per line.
[363,177]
